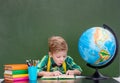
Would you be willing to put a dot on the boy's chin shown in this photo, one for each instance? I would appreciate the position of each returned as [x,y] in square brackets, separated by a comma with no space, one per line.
[59,65]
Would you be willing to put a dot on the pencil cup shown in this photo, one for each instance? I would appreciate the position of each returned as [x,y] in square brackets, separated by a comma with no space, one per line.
[32,71]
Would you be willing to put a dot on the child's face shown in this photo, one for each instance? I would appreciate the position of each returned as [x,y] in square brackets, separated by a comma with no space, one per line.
[59,57]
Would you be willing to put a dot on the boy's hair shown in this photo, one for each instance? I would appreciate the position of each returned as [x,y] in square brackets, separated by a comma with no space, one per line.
[56,44]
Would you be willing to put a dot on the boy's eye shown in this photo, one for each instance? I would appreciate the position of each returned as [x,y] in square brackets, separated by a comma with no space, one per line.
[58,56]
[64,56]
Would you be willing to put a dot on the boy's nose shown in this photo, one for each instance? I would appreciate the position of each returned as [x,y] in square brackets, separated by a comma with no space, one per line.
[62,59]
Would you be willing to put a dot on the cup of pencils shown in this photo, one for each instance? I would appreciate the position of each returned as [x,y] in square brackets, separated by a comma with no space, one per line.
[32,70]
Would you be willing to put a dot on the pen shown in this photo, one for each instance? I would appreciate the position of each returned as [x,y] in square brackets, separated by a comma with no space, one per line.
[28,63]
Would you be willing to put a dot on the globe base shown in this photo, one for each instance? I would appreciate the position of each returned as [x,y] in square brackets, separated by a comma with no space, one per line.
[97,76]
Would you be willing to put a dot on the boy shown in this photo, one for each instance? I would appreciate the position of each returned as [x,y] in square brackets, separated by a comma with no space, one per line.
[57,62]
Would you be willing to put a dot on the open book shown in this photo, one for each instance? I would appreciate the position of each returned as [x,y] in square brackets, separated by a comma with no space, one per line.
[60,77]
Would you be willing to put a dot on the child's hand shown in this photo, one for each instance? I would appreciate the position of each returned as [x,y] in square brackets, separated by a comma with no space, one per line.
[47,74]
[56,73]
[73,72]
[70,72]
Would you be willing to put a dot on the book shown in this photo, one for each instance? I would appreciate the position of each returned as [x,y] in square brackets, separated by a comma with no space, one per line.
[16,79]
[19,81]
[16,66]
[14,72]
[60,77]
[15,76]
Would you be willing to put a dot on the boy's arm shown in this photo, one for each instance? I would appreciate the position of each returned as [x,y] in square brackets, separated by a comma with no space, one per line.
[41,66]
[73,72]
[73,68]
[77,72]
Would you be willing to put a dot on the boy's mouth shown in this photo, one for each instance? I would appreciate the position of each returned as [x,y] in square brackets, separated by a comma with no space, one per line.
[59,64]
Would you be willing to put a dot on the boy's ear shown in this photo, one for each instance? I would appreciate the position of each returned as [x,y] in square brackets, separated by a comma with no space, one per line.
[50,54]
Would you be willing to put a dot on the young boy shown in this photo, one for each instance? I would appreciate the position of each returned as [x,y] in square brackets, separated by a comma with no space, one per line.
[57,62]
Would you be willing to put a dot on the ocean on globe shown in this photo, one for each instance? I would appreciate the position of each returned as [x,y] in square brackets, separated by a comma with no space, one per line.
[97,46]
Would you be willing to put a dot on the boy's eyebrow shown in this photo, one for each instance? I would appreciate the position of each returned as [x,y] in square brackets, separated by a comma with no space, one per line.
[57,55]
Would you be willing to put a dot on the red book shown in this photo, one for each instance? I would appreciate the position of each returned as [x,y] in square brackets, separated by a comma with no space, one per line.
[20,81]
[17,79]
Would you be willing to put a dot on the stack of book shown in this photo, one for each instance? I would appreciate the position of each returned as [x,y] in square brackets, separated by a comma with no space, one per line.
[15,72]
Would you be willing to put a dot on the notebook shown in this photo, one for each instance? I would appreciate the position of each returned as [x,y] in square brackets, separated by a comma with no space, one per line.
[60,77]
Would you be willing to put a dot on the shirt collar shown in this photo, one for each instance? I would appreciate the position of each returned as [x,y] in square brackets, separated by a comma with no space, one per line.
[53,63]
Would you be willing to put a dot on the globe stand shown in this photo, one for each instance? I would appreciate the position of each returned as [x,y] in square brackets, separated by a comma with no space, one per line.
[97,75]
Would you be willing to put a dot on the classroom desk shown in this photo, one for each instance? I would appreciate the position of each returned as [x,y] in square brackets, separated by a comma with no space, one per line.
[77,80]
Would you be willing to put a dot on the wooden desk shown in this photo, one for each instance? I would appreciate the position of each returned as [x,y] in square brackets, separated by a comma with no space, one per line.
[77,80]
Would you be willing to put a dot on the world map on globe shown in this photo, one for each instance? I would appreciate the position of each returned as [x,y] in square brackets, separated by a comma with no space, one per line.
[97,46]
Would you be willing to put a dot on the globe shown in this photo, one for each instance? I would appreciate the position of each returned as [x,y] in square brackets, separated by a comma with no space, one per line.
[97,46]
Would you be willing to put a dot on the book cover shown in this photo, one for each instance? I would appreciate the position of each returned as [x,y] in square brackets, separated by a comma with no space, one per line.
[14,72]
[60,77]
[16,66]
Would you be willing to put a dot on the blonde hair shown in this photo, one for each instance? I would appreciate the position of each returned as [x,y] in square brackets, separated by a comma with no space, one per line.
[56,44]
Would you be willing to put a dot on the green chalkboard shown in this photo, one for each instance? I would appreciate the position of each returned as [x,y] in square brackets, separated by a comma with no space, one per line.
[25,26]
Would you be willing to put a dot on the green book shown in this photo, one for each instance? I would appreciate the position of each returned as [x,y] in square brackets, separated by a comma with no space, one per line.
[14,72]
[60,77]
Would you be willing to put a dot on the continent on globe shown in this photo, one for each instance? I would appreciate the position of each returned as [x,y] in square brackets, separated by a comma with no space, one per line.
[100,36]
[104,55]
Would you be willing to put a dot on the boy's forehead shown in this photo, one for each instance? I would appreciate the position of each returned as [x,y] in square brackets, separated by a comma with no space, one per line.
[60,53]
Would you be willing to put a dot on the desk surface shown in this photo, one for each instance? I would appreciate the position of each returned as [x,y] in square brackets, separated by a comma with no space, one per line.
[77,80]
